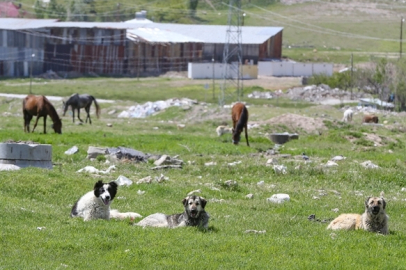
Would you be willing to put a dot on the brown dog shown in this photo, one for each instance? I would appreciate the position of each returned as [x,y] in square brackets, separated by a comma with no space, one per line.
[194,215]
[374,219]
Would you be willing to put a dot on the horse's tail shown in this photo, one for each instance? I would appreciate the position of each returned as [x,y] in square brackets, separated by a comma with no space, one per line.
[97,107]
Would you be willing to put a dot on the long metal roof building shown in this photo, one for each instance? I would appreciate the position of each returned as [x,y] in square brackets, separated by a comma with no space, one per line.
[179,32]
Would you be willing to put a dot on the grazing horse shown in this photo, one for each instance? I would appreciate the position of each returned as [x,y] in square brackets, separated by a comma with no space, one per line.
[239,115]
[77,102]
[41,107]
[370,119]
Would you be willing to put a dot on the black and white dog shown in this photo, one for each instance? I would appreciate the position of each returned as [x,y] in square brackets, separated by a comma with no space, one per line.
[96,204]
[194,215]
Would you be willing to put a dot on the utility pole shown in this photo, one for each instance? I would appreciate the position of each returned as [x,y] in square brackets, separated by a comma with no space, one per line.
[212,60]
[401,35]
[32,57]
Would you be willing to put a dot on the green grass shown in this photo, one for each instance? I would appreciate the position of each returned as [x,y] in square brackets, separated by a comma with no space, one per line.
[34,197]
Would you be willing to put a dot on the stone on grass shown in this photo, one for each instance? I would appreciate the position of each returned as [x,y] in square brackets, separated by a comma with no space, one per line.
[72,150]
[279,198]
[123,181]
[9,167]
[91,169]
[146,180]
[255,231]
[369,165]
[249,196]
[280,169]
[93,152]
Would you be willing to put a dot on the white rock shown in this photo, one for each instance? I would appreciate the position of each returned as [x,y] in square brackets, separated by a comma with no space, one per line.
[369,165]
[122,180]
[338,158]
[279,198]
[147,180]
[331,164]
[9,167]
[212,163]
[72,150]
[280,169]
[249,196]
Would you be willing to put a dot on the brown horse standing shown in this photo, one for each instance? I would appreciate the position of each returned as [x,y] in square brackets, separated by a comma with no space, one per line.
[41,107]
[239,114]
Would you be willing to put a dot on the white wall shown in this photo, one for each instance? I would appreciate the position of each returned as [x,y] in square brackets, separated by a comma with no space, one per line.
[205,71]
[279,69]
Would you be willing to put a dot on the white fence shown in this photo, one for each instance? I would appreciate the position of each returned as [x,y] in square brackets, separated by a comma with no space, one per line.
[277,69]
[291,69]
[217,70]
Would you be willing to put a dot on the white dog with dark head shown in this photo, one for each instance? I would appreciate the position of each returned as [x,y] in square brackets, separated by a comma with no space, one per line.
[96,204]
[194,215]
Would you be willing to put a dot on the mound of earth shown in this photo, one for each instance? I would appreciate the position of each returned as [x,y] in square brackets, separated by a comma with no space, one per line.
[299,124]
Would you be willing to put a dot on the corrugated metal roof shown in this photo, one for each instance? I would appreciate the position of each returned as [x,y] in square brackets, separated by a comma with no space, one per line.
[217,33]
[105,25]
[180,32]
[159,36]
[18,24]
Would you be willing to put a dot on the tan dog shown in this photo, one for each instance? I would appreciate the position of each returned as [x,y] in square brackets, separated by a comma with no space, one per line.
[374,219]
[194,215]
[223,130]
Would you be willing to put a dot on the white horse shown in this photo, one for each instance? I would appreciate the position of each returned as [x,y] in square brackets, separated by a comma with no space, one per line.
[223,130]
[348,115]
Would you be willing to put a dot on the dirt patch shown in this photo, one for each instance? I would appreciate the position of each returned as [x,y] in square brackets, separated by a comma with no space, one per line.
[297,123]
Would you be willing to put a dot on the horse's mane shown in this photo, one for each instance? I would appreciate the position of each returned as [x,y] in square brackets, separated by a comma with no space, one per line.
[52,112]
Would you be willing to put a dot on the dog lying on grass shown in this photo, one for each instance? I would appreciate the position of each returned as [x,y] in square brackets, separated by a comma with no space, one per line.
[374,219]
[96,204]
[220,130]
[194,215]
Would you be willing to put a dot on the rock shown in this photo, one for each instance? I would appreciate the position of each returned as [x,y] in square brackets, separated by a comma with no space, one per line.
[93,152]
[127,153]
[122,180]
[72,150]
[161,160]
[249,196]
[9,167]
[280,169]
[369,165]
[147,180]
[279,198]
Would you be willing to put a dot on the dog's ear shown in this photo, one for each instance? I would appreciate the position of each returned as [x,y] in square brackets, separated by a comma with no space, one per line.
[113,184]
[184,201]
[98,184]
[366,202]
[203,201]
[383,203]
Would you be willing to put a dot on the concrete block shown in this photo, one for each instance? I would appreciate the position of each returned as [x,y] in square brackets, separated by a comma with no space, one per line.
[26,155]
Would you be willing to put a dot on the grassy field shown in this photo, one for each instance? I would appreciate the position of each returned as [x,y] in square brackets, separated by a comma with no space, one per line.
[34,198]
